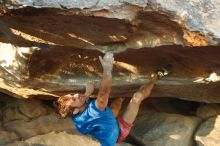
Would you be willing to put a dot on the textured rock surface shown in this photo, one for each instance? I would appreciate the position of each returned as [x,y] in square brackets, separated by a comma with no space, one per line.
[52,72]
[23,116]
[61,138]
[6,137]
[45,124]
[155,128]
[208,132]
[21,128]
[206,111]
[24,110]
[202,16]
[53,46]
[166,129]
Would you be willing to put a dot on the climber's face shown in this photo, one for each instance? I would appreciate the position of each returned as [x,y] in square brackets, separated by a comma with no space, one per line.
[75,102]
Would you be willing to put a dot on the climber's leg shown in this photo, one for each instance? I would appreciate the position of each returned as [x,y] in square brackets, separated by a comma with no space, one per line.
[126,120]
[116,106]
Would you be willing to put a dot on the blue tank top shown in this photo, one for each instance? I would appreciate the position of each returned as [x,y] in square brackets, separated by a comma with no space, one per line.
[101,125]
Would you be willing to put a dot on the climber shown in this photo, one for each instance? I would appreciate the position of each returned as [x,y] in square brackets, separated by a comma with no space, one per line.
[93,117]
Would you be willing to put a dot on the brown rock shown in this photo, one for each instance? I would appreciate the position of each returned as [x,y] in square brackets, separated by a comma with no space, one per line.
[206,111]
[41,125]
[6,137]
[33,108]
[52,51]
[24,110]
[62,138]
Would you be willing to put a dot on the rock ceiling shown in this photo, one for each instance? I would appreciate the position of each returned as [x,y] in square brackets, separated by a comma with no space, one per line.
[47,50]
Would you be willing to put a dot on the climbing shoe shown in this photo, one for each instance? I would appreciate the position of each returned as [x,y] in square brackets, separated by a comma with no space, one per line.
[161,72]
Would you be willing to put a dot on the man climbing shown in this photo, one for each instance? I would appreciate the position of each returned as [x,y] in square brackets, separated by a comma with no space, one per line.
[93,117]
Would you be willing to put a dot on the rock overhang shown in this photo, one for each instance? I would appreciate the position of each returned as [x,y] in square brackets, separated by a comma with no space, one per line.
[64,45]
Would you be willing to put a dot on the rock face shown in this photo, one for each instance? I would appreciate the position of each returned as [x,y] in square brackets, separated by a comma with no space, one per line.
[208,132]
[61,138]
[51,47]
[33,122]
[6,137]
[166,129]
[202,16]
[153,126]
[208,110]
[18,118]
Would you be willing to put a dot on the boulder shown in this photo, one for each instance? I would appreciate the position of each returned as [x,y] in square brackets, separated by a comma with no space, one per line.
[26,110]
[206,111]
[194,15]
[61,138]
[158,129]
[55,49]
[41,125]
[11,114]
[6,137]
[57,139]
[208,132]
[31,117]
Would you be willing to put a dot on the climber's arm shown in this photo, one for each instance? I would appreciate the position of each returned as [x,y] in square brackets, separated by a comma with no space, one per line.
[106,82]
[90,87]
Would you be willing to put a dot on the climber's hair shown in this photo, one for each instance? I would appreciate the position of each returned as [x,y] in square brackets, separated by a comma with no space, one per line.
[61,108]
